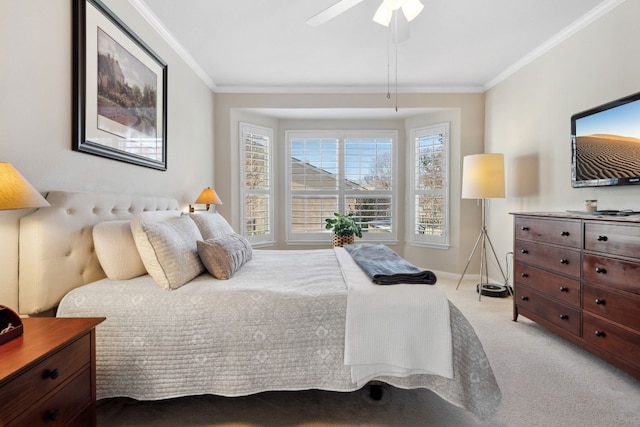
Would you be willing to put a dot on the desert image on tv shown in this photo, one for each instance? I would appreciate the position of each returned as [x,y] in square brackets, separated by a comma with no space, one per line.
[607,156]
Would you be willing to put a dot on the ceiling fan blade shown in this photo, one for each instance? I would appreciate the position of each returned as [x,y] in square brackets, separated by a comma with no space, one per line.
[332,11]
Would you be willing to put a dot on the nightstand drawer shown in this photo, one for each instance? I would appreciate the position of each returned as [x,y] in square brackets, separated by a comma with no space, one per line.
[557,232]
[560,315]
[19,394]
[62,407]
[559,287]
[622,342]
[556,258]
[612,305]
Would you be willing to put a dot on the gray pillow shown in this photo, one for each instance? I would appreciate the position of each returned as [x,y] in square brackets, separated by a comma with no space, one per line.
[224,255]
[173,258]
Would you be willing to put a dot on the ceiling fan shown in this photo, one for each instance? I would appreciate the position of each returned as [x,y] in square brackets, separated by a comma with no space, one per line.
[383,16]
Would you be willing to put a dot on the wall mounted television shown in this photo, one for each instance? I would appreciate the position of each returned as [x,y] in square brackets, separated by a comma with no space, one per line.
[605,144]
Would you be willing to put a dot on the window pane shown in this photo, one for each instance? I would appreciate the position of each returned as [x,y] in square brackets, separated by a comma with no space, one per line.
[372,213]
[256,215]
[308,213]
[314,164]
[256,149]
[430,162]
[368,163]
[429,215]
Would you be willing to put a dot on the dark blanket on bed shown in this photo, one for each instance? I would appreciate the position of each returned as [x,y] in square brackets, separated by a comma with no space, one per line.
[385,267]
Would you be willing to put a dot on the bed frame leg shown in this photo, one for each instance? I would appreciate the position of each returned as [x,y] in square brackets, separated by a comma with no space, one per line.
[375,391]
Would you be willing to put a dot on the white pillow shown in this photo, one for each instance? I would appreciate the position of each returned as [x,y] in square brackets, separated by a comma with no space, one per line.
[212,225]
[139,236]
[167,247]
[117,251]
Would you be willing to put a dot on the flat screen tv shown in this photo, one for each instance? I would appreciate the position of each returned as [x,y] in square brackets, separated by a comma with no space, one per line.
[605,144]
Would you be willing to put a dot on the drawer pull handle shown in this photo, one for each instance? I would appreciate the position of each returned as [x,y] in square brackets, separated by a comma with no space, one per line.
[600,334]
[524,251]
[564,233]
[524,298]
[600,301]
[524,228]
[601,270]
[564,317]
[525,275]
[564,261]
[602,238]
[564,289]
[53,374]
[53,415]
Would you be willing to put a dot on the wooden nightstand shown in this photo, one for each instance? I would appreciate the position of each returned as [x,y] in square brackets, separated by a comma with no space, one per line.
[48,375]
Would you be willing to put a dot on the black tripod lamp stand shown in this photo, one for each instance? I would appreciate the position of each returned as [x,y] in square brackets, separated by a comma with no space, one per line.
[483,178]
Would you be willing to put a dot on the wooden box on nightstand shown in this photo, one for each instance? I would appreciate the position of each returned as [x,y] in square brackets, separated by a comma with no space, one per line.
[47,375]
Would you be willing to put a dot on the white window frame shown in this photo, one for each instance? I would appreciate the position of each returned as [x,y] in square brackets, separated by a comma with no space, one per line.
[342,193]
[267,238]
[416,238]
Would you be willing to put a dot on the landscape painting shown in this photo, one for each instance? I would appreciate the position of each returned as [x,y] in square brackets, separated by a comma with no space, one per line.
[120,90]
[127,91]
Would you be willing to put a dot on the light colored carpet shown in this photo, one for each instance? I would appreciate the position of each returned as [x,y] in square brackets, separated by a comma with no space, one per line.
[545,381]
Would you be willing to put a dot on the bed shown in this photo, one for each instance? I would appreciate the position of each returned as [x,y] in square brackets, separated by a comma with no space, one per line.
[283,320]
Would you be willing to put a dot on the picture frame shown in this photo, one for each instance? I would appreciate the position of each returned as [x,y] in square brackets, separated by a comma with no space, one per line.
[119,90]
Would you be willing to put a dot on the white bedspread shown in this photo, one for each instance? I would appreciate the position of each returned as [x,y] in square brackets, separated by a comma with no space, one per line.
[396,330]
[277,324]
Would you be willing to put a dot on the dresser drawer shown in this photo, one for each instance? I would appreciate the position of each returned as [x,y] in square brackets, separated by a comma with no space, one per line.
[612,239]
[560,315]
[558,232]
[558,287]
[612,272]
[62,407]
[559,259]
[623,343]
[623,309]
[19,394]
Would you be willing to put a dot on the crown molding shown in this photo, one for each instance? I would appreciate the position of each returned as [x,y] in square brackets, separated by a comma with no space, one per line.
[563,35]
[155,22]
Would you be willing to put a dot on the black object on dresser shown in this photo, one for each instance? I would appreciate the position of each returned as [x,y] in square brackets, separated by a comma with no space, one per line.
[579,276]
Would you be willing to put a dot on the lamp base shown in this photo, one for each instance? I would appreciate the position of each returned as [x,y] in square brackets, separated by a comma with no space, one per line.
[494,290]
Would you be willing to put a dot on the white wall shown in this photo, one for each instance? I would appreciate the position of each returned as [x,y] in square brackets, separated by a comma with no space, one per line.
[528,119]
[35,119]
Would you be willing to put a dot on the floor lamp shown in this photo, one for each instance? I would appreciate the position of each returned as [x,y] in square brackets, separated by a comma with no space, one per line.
[483,178]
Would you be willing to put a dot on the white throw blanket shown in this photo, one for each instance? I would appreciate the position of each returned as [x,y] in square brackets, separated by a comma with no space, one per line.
[396,330]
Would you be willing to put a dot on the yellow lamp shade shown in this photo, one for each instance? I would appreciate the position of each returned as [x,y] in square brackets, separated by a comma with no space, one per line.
[16,192]
[483,176]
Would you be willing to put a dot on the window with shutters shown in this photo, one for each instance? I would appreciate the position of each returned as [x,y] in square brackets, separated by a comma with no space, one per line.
[430,185]
[345,172]
[257,183]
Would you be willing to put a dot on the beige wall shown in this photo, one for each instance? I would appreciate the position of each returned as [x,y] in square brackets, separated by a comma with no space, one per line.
[528,119]
[35,119]
[464,111]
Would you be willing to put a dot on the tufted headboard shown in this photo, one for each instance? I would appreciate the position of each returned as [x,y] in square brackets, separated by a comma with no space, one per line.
[56,242]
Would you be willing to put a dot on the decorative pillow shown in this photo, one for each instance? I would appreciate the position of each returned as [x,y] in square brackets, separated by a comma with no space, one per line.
[224,255]
[168,249]
[212,225]
[117,251]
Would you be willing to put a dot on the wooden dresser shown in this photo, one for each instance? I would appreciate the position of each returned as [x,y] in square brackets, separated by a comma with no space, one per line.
[47,375]
[579,276]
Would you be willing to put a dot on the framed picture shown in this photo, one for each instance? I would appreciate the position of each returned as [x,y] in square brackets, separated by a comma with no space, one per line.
[119,90]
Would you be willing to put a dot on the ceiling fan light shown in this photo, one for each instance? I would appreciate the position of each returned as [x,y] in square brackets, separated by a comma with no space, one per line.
[411,9]
[383,15]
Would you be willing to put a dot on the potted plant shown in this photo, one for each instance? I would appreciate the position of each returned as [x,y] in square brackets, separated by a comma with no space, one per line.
[344,228]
